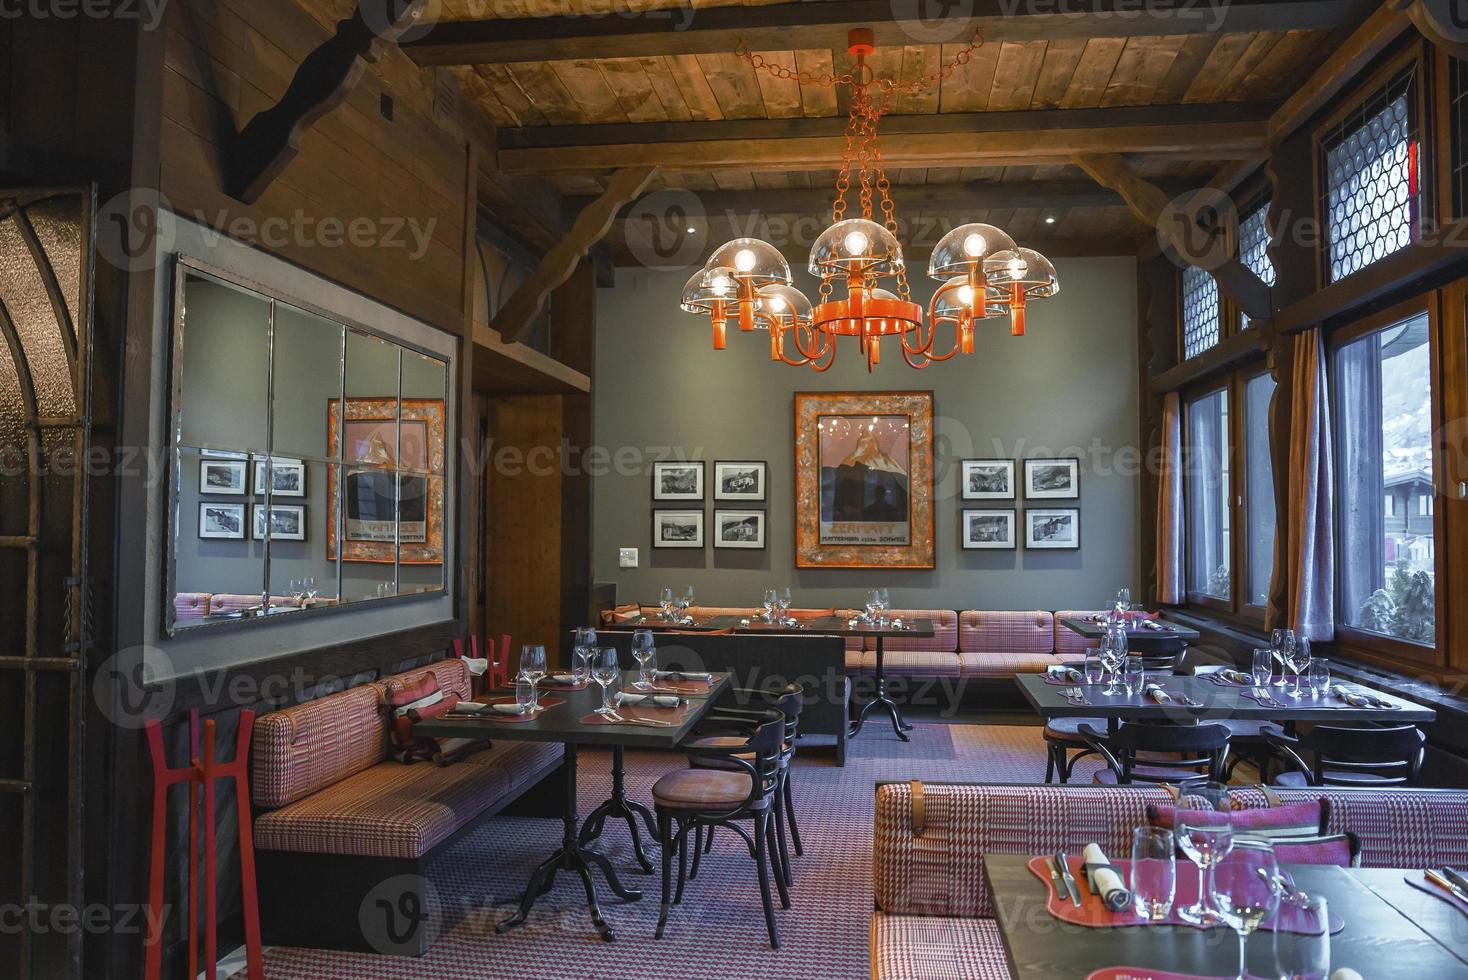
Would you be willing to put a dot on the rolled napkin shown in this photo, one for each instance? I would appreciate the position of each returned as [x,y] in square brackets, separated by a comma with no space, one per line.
[1350,697]
[503,708]
[1346,973]
[651,700]
[681,675]
[565,679]
[1152,624]
[1104,880]
[1156,693]
[478,666]
[1062,672]
[1237,676]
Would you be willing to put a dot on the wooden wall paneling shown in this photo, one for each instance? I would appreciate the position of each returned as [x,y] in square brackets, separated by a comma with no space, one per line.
[1450,502]
[1156,348]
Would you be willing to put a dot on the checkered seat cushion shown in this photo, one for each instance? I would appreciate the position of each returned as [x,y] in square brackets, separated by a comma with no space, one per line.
[924,947]
[1005,643]
[923,656]
[395,811]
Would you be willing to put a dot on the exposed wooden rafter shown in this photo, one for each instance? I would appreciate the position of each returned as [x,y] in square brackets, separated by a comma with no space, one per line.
[514,320]
[1153,206]
[709,30]
[270,141]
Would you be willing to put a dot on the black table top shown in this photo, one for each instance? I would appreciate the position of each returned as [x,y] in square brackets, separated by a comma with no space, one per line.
[1093,630]
[562,723]
[1218,703]
[816,626]
[1381,938]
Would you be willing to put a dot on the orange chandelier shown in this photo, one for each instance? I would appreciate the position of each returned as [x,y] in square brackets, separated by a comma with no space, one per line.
[983,274]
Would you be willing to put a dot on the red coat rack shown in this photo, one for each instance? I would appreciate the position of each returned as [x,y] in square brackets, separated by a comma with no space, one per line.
[499,667]
[199,775]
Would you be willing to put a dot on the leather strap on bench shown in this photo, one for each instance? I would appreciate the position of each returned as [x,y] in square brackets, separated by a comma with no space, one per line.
[1270,795]
[919,808]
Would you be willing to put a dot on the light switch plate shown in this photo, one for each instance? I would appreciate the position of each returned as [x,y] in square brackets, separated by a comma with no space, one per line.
[626,557]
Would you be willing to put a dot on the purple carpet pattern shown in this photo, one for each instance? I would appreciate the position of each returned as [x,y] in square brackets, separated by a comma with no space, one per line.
[718,931]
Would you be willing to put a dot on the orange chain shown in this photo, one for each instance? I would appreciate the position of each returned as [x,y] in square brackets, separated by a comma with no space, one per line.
[827,79]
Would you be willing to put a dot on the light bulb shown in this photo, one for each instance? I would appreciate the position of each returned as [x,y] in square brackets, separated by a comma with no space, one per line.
[856,243]
[1017,267]
[966,294]
[744,260]
[1050,220]
[720,285]
[974,245]
[692,230]
[777,304]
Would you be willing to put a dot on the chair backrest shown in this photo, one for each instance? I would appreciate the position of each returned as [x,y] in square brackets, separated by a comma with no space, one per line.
[1357,756]
[1184,749]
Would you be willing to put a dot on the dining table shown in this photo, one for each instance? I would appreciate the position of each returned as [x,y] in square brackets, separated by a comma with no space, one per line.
[1161,638]
[1211,700]
[1389,929]
[569,718]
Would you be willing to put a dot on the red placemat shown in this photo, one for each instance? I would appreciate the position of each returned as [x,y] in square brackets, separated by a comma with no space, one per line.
[1419,880]
[663,685]
[638,712]
[1094,913]
[547,702]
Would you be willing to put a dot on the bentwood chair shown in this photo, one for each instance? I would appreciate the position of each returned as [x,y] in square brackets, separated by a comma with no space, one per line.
[1360,757]
[743,788]
[1150,753]
[1246,739]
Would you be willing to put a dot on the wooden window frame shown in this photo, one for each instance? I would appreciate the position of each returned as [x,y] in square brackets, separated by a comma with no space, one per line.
[1195,598]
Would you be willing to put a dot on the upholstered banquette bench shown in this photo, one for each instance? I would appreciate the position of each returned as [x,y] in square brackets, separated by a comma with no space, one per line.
[336,818]
[934,919]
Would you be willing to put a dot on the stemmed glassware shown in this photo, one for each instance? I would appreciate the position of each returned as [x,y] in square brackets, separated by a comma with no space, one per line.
[532,668]
[604,671]
[298,591]
[771,603]
[1121,605]
[309,585]
[782,602]
[1246,890]
[1282,642]
[643,651]
[585,643]
[1113,652]
[1299,659]
[667,603]
[684,601]
[1204,827]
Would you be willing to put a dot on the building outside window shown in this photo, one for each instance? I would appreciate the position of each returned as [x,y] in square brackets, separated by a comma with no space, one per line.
[1206,489]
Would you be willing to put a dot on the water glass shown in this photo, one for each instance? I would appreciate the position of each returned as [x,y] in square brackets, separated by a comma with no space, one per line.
[532,668]
[1282,642]
[1093,669]
[1154,873]
[1319,674]
[585,636]
[1245,890]
[605,671]
[1134,676]
[666,603]
[1302,951]
[643,650]
[771,602]
[872,605]
[782,601]
[1262,667]
[1203,823]
[524,693]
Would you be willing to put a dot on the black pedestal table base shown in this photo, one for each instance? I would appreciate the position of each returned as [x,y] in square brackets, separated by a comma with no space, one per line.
[899,724]
[618,806]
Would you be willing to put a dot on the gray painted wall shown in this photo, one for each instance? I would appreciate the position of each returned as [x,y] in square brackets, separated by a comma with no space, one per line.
[1067,388]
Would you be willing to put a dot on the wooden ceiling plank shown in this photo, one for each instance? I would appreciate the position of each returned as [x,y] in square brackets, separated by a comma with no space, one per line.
[543,87]
[967,88]
[666,87]
[633,90]
[587,85]
[1016,74]
[693,84]
[781,95]
[1062,58]
[918,62]
[1232,86]
[1140,70]
[1225,54]
[816,99]
[1093,73]
[734,85]
[1184,68]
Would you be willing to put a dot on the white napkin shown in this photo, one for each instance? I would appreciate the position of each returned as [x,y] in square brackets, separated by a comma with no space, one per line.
[562,678]
[1355,700]
[478,666]
[479,708]
[1065,673]
[510,709]
[1105,881]
[1156,693]
[656,700]
[1152,624]
[1238,676]
[681,675]
[1345,973]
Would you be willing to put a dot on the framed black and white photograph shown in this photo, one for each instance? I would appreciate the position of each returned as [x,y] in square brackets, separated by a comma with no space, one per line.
[739,529]
[988,530]
[740,480]
[677,480]
[287,522]
[1053,529]
[287,476]
[1052,479]
[224,521]
[986,479]
[221,476]
[677,529]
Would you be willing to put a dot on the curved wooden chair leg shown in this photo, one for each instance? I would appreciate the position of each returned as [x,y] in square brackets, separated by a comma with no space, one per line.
[761,833]
[665,830]
[790,818]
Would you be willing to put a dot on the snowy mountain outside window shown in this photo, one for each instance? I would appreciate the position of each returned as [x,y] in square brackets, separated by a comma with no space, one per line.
[1383,412]
[1206,489]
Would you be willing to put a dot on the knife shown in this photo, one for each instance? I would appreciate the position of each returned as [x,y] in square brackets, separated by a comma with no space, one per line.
[1056,881]
[1070,881]
[1456,878]
[1452,889]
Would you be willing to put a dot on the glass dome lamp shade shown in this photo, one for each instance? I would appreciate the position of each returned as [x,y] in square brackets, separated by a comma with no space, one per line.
[1021,274]
[856,247]
[751,261]
[965,249]
[781,309]
[712,292]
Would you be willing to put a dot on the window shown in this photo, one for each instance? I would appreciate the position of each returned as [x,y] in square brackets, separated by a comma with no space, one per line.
[1384,437]
[1370,165]
[1458,116]
[1258,487]
[1206,489]
[1254,249]
[1200,311]
[1424,506]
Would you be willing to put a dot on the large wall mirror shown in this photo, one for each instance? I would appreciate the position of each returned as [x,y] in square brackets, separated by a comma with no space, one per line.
[309,459]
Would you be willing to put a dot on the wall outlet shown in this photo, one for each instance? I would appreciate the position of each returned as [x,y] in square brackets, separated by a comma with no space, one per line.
[626,557]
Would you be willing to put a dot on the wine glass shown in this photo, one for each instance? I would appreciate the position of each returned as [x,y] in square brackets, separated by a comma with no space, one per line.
[298,591]
[604,671]
[309,584]
[1300,661]
[1112,656]
[1123,601]
[684,602]
[1245,890]
[643,650]
[782,601]
[666,603]
[1205,833]
[532,668]
[872,605]
[585,636]
[1282,642]
[770,602]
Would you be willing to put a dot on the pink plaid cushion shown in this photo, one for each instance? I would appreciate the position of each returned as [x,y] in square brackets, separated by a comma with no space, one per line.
[945,631]
[191,606]
[908,663]
[452,675]
[301,750]
[1334,849]
[1003,664]
[1307,819]
[1030,631]
[398,811]
[925,947]
[1071,643]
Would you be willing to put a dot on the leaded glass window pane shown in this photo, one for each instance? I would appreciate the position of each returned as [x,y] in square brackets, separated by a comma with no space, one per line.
[1200,311]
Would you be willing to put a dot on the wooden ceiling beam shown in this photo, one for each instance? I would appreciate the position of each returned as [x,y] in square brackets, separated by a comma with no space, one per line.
[711,30]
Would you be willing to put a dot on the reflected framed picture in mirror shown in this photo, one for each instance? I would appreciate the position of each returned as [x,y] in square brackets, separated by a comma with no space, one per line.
[221,476]
[222,521]
[287,477]
[287,522]
[394,495]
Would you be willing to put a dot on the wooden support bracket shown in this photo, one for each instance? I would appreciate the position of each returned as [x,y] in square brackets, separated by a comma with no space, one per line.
[1205,249]
[515,318]
[270,141]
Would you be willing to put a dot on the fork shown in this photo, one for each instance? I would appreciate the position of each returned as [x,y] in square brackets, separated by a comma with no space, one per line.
[645,722]
[1075,695]
[1263,696]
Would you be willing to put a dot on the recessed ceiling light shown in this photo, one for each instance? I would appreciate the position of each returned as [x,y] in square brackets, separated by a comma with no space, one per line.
[692,230]
[1050,220]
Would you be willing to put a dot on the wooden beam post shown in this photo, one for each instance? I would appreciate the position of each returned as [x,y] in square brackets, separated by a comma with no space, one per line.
[1152,206]
[515,317]
[271,140]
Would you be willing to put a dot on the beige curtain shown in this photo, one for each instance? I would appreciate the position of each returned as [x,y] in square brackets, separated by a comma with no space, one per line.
[1311,531]
[1169,560]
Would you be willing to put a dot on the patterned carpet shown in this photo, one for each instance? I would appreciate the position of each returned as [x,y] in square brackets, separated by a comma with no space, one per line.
[719,929]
